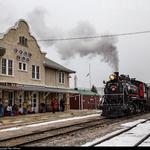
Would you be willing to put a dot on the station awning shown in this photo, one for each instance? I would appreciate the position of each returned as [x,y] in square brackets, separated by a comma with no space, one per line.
[22,87]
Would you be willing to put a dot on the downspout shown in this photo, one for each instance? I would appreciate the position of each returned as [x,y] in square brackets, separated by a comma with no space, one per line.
[82,102]
[79,101]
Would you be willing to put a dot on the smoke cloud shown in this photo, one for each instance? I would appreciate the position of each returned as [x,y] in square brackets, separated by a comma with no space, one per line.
[104,47]
[37,21]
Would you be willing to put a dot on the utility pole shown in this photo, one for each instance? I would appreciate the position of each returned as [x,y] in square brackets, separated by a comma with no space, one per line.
[90,75]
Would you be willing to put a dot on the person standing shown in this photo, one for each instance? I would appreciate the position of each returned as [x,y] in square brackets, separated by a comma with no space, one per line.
[53,102]
[62,105]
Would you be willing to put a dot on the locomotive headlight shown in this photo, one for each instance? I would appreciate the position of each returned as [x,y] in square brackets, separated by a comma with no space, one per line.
[112,77]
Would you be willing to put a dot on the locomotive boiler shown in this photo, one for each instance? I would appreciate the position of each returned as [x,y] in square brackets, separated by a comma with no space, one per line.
[124,96]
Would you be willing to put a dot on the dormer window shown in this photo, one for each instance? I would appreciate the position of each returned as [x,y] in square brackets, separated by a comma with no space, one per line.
[23,41]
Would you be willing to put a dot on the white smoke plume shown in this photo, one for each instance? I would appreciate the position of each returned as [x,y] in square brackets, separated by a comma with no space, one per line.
[105,47]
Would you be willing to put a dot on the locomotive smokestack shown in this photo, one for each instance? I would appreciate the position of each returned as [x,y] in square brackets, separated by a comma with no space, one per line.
[116,73]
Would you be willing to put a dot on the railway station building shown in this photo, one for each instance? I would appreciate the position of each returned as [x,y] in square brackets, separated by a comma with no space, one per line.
[27,75]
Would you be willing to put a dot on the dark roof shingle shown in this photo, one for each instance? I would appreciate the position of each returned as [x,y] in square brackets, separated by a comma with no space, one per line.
[51,64]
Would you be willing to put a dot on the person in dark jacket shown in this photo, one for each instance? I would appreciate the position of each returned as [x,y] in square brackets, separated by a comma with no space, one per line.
[62,105]
[15,110]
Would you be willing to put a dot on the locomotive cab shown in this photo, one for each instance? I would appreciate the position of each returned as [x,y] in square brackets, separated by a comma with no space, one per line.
[124,96]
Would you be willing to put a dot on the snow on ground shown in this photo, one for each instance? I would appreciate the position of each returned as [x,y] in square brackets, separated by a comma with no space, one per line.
[48,122]
[145,143]
[130,124]
[129,138]
[102,138]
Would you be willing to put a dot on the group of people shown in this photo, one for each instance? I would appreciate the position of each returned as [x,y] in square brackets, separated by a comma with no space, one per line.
[26,108]
[14,110]
[8,110]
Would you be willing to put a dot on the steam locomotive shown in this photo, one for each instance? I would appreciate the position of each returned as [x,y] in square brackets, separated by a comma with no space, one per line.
[124,96]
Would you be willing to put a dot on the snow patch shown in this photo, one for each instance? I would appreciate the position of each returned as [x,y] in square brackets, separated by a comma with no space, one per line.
[130,124]
[49,122]
[62,120]
[10,129]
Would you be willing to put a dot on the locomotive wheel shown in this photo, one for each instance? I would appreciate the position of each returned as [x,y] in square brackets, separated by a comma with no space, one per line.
[132,109]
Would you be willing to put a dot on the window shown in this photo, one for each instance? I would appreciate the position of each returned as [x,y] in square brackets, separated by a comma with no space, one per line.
[20,100]
[7,66]
[61,77]
[35,72]
[4,66]
[22,66]
[10,98]
[23,41]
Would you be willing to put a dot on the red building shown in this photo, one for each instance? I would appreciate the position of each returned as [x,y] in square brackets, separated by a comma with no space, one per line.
[84,99]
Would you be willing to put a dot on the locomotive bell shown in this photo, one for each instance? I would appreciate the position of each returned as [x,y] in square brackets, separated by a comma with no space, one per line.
[116,73]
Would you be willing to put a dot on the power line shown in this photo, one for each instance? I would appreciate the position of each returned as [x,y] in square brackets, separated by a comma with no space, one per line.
[97,36]
[91,37]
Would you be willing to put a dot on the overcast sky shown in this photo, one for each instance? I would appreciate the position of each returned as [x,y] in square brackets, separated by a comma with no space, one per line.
[50,19]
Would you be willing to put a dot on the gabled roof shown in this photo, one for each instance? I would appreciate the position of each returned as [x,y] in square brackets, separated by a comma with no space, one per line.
[48,63]
[86,92]
[51,64]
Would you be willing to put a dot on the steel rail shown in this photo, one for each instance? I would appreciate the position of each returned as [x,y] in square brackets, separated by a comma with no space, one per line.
[6,141]
[142,140]
[118,133]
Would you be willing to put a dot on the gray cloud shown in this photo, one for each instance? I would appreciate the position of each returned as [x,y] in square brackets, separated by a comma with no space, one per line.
[105,47]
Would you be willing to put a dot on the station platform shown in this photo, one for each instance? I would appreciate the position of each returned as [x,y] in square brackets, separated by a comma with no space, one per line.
[12,121]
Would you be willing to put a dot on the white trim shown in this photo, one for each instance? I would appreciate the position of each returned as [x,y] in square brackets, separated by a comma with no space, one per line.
[22,66]
[5,75]
[36,79]
[36,73]
[60,74]
[7,67]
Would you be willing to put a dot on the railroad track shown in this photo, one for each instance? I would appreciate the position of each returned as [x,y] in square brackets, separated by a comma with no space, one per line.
[39,135]
[107,139]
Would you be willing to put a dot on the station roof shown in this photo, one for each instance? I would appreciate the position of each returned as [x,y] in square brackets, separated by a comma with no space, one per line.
[22,87]
[86,92]
[51,64]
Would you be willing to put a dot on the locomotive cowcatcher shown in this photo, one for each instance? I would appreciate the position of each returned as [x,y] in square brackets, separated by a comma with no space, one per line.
[124,96]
